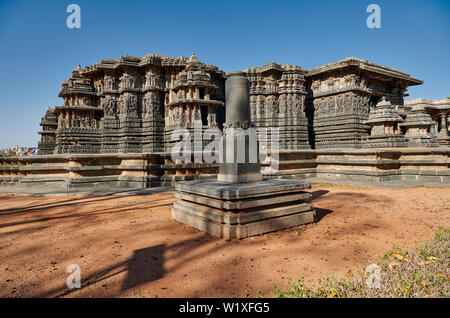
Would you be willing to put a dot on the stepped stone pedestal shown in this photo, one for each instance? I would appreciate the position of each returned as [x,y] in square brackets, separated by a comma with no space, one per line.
[240,203]
[240,210]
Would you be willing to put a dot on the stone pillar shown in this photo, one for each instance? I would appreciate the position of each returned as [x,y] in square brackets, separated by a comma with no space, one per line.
[239,155]
[444,129]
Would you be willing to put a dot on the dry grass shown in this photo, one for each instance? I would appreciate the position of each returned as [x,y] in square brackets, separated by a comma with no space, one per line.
[422,273]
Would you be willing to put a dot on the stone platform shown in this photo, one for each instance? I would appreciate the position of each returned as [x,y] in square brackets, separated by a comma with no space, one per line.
[240,210]
[414,167]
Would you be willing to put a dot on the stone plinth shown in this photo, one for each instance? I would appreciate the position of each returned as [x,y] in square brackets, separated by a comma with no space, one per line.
[240,210]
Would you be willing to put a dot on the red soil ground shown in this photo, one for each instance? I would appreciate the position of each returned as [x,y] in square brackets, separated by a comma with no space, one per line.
[130,246]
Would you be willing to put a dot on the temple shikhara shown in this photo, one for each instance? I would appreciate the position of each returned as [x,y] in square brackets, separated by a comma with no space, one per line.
[132,105]
[347,120]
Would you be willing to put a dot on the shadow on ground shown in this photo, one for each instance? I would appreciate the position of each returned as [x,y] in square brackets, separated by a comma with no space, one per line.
[148,264]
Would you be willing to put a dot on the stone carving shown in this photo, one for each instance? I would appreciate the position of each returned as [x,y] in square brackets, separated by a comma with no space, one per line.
[361,104]
[181,95]
[260,105]
[109,106]
[127,81]
[109,82]
[131,104]
[271,105]
[151,104]
[332,100]
[85,101]
[298,104]
[244,125]
[282,104]
[152,78]
[253,106]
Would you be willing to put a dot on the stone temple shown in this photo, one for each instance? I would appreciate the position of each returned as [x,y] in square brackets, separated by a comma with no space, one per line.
[347,120]
[131,105]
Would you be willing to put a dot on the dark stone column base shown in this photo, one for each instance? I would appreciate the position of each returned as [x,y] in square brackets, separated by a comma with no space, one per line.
[240,210]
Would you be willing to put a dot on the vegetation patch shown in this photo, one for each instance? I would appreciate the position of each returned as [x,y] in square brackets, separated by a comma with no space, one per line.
[421,273]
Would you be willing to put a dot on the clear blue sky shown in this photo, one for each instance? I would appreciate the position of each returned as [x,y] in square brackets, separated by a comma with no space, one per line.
[38,51]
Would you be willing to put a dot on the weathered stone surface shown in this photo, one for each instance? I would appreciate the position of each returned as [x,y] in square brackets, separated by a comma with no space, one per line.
[242,204]
[438,111]
[385,131]
[134,105]
[240,151]
[420,129]
[237,191]
[213,222]
[157,169]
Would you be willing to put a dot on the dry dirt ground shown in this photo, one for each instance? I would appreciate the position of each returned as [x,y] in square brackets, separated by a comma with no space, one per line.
[130,246]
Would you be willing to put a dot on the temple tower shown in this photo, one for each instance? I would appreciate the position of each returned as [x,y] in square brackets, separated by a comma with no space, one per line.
[49,124]
[342,95]
[277,101]
[78,118]
[420,128]
[385,131]
[189,99]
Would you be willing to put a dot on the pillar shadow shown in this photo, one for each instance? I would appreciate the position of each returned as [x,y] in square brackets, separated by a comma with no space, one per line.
[318,193]
[321,213]
[145,266]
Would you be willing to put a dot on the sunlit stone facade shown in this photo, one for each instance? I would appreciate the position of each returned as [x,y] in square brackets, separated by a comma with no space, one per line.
[134,105]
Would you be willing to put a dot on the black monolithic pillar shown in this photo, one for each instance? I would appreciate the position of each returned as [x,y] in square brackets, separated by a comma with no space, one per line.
[239,157]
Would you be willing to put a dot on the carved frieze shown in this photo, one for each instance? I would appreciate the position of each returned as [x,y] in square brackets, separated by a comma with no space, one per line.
[260,105]
[349,103]
[180,90]
[282,102]
[127,80]
[271,106]
[298,104]
[253,100]
[109,106]
[151,104]
[110,82]
[131,104]
[152,79]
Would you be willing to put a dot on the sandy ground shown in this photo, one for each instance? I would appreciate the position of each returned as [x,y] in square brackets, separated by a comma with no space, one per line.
[130,247]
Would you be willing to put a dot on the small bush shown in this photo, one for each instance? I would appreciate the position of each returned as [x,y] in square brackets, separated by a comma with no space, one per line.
[424,272]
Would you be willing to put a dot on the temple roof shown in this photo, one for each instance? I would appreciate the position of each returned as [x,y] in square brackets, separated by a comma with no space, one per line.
[365,65]
[274,66]
[438,104]
[149,59]
[383,112]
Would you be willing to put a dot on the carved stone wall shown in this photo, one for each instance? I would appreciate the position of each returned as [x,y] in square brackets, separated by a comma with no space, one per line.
[343,94]
[49,124]
[277,104]
[131,105]
[134,105]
